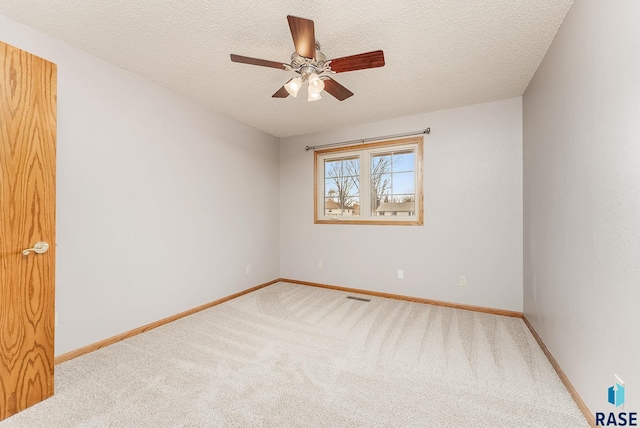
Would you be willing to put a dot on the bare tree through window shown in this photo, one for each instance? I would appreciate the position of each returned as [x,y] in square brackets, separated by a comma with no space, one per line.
[392,183]
[380,179]
[342,186]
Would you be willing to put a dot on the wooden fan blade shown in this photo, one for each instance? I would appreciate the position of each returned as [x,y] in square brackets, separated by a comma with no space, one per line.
[304,37]
[358,62]
[256,61]
[337,90]
[282,92]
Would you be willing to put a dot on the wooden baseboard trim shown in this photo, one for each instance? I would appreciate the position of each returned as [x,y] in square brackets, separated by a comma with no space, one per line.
[565,380]
[409,298]
[117,338]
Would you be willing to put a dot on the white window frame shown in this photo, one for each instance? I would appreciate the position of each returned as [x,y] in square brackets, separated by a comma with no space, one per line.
[364,152]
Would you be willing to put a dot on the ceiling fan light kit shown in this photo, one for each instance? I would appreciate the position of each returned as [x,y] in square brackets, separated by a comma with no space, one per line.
[313,97]
[293,86]
[312,66]
[316,85]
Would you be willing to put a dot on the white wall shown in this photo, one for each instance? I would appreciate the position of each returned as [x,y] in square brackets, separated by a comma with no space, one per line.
[582,199]
[161,203]
[473,213]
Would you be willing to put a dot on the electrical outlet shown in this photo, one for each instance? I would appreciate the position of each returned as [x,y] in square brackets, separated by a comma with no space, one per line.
[400,274]
[463,281]
[319,265]
[248,269]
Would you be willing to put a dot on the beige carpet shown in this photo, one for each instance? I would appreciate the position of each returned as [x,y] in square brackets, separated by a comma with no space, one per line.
[297,356]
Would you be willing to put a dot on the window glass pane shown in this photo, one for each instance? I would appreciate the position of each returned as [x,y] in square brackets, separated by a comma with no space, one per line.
[354,207]
[351,167]
[333,209]
[403,182]
[342,186]
[404,161]
[393,183]
[352,188]
[380,190]
[381,163]
[332,167]
[330,189]
[400,205]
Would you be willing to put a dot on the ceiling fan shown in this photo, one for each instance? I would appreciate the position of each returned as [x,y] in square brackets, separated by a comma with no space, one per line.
[312,66]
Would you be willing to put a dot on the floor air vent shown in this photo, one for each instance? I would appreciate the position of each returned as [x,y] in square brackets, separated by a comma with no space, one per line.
[362,299]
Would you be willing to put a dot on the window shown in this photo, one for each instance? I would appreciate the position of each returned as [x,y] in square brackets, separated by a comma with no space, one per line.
[377,183]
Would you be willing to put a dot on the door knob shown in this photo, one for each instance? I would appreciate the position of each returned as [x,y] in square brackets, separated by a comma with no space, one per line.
[39,248]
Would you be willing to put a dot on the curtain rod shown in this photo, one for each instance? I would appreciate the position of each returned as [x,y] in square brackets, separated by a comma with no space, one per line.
[366,140]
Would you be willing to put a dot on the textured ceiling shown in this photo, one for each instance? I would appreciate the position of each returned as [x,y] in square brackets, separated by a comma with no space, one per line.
[439,53]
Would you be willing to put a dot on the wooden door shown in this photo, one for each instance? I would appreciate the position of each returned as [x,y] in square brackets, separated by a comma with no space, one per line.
[27,216]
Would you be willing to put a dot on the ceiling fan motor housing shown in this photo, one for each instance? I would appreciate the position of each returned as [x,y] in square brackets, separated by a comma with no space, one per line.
[306,66]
